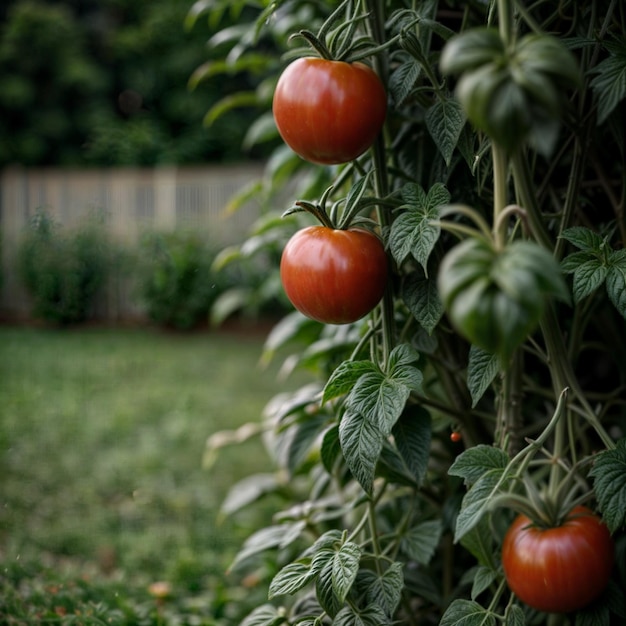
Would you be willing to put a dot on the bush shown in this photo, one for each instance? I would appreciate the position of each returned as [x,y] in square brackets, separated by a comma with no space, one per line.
[63,271]
[177,283]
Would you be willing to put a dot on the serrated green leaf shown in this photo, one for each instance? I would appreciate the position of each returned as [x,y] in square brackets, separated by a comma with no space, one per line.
[466,613]
[588,276]
[479,542]
[343,379]
[514,616]
[416,231]
[361,444]
[290,579]
[266,615]
[483,578]
[385,590]
[412,436]
[482,368]
[420,294]
[420,542]
[477,500]
[324,591]
[572,261]
[609,474]
[583,238]
[609,84]
[444,121]
[372,615]
[403,80]
[402,354]
[474,462]
[616,283]
[345,566]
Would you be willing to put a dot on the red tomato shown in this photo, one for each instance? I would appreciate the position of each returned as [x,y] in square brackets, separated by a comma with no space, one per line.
[562,569]
[329,111]
[334,276]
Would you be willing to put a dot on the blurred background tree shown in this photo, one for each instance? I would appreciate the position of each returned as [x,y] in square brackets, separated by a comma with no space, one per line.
[105,82]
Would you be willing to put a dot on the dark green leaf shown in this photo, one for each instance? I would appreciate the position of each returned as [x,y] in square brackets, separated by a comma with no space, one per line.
[420,542]
[445,120]
[572,261]
[324,591]
[483,578]
[416,231]
[479,541]
[482,368]
[466,613]
[412,436]
[361,443]
[616,281]
[609,473]
[385,590]
[420,294]
[595,614]
[299,440]
[370,616]
[477,501]
[474,462]
[588,277]
[514,616]
[266,615]
[403,80]
[343,379]
[290,579]
[609,84]
[345,566]
[330,449]
[402,354]
[583,238]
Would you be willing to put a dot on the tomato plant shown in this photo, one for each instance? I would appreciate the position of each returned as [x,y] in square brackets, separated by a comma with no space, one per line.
[329,111]
[560,569]
[489,380]
[334,276]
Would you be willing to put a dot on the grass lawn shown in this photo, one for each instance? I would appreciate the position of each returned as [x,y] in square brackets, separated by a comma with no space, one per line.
[102,434]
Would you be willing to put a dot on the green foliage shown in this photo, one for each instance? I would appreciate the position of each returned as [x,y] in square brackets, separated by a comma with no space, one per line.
[504,130]
[177,284]
[63,271]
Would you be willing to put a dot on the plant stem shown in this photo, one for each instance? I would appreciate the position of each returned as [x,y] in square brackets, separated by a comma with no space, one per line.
[500,166]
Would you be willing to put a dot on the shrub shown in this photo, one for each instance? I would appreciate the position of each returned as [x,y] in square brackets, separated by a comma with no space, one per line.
[63,271]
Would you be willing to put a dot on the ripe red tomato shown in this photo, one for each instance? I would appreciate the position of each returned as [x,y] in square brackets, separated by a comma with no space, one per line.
[561,569]
[329,112]
[334,276]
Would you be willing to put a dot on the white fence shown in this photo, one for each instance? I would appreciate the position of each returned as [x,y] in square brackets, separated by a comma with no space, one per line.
[133,201]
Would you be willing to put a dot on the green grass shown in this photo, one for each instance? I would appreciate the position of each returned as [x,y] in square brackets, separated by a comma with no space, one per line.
[102,434]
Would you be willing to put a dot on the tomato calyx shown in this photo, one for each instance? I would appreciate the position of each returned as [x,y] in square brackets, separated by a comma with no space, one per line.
[336,217]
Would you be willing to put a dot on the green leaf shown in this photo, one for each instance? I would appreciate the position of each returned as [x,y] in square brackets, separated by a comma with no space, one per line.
[588,276]
[248,490]
[616,281]
[479,542]
[474,462]
[412,436]
[345,566]
[595,614]
[372,615]
[265,615]
[385,590]
[330,449]
[403,80]
[300,439]
[445,120]
[416,231]
[477,500]
[324,591]
[514,616]
[290,579]
[583,238]
[482,368]
[609,84]
[467,613]
[343,379]
[609,473]
[483,578]
[572,261]
[361,442]
[420,542]
[228,103]
[420,294]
